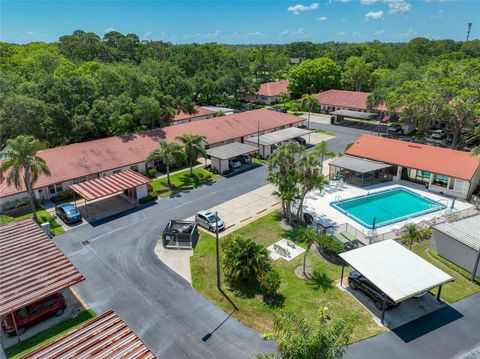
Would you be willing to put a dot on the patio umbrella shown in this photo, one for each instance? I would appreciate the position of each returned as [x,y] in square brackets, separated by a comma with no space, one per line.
[453,204]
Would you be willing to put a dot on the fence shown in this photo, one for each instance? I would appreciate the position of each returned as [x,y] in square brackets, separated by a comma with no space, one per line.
[365,237]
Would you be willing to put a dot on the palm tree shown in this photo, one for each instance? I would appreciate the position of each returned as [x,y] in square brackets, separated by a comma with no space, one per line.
[303,338]
[284,97]
[20,160]
[476,151]
[170,153]
[308,236]
[309,102]
[412,234]
[193,148]
[321,150]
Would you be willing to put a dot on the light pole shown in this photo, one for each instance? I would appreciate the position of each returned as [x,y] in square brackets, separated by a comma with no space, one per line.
[218,253]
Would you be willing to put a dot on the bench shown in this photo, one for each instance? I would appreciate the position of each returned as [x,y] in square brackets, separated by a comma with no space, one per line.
[291,244]
[282,251]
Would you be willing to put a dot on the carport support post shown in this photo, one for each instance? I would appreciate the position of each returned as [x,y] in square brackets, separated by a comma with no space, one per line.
[15,327]
[384,307]
[218,253]
[439,293]
[86,208]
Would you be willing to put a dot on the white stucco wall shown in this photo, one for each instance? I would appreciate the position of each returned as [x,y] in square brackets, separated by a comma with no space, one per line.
[142,191]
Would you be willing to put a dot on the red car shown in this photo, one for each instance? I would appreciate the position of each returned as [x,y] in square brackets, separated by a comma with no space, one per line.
[34,313]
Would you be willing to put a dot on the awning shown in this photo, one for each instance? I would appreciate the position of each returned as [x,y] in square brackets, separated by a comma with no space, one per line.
[279,136]
[105,186]
[359,165]
[31,266]
[230,150]
[106,336]
[355,114]
[396,271]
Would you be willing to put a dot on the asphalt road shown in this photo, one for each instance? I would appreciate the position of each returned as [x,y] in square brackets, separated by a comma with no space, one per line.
[123,273]
[449,333]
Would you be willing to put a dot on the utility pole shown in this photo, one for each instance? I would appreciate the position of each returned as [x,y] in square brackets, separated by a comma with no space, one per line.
[468,30]
[219,283]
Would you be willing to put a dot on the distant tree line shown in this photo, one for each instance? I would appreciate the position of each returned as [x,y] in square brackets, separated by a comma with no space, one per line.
[85,86]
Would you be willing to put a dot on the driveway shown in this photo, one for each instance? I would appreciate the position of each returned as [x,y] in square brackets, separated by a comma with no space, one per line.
[124,273]
[450,332]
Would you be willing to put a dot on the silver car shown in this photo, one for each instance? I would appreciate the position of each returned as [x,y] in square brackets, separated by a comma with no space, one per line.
[208,220]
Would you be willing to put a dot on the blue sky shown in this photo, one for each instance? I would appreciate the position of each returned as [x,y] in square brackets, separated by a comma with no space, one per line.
[240,22]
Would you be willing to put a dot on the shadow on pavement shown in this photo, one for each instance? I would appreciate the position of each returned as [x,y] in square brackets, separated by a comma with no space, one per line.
[243,170]
[426,324]
[115,216]
[209,335]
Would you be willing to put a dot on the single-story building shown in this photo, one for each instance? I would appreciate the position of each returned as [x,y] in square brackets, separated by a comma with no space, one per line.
[106,336]
[201,113]
[333,100]
[80,162]
[459,242]
[221,110]
[269,92]
[32,268]
[443,170]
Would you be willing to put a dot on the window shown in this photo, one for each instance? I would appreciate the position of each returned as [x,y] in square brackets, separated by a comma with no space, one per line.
[58,187]
[116,171]
[460,186]
[134,168]
[79,180]
[51,189]
[440,180]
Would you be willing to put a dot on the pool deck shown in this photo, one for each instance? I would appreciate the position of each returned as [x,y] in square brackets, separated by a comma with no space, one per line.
[320,204]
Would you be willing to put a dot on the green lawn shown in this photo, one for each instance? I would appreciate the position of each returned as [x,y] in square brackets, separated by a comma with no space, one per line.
[182,181]
[454,291]
[28,345]
[42,217]
[297,295]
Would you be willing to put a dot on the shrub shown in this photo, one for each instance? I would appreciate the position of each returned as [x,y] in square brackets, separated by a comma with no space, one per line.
[152,172]
[329,245]
[243,259]
[62,197]
[5,219]
[269,283]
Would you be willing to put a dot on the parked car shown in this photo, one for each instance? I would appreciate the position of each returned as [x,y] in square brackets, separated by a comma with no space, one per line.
[438,134]
[395,129]
[235,163]
[245,158]
[300,140]
[68,213]
[34,313]
[357,281]
[208,220]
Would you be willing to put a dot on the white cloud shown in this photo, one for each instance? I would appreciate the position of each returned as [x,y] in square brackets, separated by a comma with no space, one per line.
[293,33]
[398,6]
[374,15]
[407,35]
[322,18]
[379,32]
[256,34]
[356,33]
[341,33]
[148,34]
[110,29]
[438,15]
[299,8]
[234,35]
[368,2]
[344,1]
[31,33]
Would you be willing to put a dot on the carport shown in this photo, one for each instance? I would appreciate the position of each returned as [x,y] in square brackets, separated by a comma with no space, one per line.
[267,140]
[31,267]
[220,155]
[399,273]
[106,336]
[132,183]
[360,171]
[341,114]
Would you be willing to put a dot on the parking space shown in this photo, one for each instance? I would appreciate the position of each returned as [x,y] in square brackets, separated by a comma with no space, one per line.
[315,138]
[406,312]
[105,207]
[74,307]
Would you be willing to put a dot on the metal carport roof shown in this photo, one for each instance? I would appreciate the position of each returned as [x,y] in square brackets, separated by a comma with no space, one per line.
[355,114]
[279,136]
[230,150]
[106,336]
[31,266]
[357,164]
[105,186]
[396,271]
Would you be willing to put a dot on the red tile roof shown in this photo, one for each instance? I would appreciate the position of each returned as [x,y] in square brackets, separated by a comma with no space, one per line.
[271,89]
[200,112]
[105,186]
[31,266]
[106,336]
[439,160]
[86,158]
[349,99]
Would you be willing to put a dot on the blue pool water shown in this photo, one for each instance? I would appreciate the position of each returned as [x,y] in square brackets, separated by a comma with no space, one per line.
[387,207]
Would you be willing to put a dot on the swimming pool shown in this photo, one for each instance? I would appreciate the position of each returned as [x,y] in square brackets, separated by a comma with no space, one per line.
[389,206]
